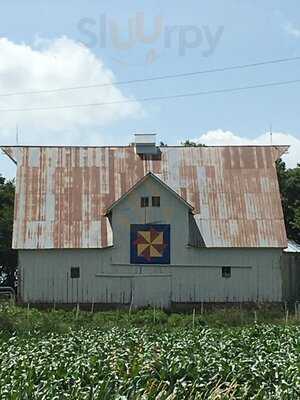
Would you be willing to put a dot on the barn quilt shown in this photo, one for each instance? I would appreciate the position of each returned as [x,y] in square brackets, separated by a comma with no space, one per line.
[150,244]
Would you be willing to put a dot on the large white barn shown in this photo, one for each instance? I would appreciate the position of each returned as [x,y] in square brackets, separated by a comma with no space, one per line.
[145,225]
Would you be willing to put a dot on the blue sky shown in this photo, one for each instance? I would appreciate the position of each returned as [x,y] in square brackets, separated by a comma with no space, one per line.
[39,39]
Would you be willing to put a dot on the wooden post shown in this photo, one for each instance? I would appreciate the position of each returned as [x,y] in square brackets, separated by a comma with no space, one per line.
[77,310]
[296,310]
[255,317]
[92,307]
[241,312]
[131,303]
[12,300]
[194,311]
[28,307]
[286,316]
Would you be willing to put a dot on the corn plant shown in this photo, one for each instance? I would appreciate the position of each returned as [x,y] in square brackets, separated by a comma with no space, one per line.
[258,362]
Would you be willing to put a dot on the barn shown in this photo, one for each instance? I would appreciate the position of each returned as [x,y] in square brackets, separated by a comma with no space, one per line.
[143,224]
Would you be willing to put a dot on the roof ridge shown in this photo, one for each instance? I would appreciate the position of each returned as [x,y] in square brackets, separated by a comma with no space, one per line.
[131,146]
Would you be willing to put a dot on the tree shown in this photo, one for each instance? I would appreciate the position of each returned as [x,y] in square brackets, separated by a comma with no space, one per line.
[7,196]
[8,257]
[289,184]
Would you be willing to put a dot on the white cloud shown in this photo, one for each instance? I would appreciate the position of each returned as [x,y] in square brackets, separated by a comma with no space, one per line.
[220,137]
[55,64]
[292,30]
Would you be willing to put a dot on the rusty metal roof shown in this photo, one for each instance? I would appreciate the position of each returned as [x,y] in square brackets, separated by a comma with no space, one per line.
[62,193]
[149,175]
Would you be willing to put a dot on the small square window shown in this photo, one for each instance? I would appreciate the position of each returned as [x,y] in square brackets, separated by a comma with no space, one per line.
[226,272]
[75,272]
[155,201]
[144,201]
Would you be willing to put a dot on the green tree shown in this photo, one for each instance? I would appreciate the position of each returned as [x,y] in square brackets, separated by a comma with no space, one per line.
[289,184]
[7,195]
[189,143]
[8,257]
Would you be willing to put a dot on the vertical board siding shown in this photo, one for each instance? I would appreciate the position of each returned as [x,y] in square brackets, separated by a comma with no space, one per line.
[255,276]
[291,276]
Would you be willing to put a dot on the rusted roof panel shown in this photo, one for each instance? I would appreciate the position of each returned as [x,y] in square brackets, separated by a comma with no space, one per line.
[152,176]
[62,193]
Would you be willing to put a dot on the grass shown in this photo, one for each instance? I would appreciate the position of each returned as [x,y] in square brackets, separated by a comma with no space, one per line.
[23,320]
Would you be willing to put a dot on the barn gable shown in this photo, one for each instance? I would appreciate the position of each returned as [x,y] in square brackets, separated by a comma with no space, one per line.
[149,223]
[157,181]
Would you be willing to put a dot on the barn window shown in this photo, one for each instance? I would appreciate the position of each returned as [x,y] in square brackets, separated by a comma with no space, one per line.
[226,272]
[75,272]
[155,201]
[144,201]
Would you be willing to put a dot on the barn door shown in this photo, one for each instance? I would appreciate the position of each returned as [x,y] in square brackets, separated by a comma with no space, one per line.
[152,290]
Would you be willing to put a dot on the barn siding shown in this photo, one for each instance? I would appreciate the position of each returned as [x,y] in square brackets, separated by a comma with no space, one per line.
[291,276]
[256,276]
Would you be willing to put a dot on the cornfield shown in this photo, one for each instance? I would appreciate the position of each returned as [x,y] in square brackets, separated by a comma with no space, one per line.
[258,362]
